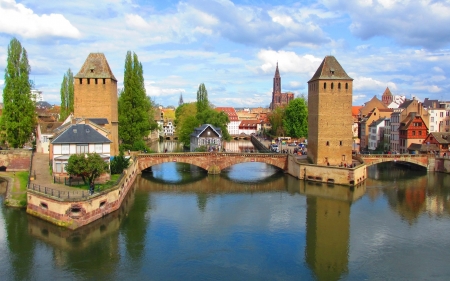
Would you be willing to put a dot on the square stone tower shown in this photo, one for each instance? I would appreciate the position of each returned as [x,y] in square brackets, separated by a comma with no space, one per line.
[95,95]
[330,114]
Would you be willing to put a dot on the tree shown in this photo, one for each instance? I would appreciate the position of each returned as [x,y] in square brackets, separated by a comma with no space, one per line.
[119,163]
[67,90]
[135,107]
[202,99]
[295,121]
[217,119]
[276,121]
[19,117]
[87,166]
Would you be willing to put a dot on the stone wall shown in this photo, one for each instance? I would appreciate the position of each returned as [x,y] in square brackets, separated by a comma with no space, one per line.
[76,212]
[327,174]
[442,165]
[16,159]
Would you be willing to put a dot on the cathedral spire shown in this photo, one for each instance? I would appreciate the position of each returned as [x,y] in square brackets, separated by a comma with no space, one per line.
[277,72]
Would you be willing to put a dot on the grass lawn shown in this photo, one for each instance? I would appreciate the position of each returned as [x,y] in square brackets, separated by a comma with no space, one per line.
[19,190]
[102,186]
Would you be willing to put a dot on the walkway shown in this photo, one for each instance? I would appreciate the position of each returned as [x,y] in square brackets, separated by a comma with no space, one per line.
[40,167]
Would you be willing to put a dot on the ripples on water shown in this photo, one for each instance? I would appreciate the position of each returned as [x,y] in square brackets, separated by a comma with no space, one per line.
[252,222]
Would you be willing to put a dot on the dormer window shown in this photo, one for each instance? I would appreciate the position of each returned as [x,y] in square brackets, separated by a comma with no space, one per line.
[92,70]
[332,71]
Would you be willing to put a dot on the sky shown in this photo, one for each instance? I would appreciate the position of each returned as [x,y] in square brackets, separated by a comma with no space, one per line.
[233,47]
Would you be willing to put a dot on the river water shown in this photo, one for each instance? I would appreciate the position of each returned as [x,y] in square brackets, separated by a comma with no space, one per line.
[250,223]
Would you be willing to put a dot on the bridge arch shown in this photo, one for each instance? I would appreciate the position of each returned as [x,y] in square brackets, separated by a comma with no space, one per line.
[213,162]
[422,160]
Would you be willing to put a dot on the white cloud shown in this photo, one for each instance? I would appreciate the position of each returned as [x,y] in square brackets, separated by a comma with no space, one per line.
[409,22]
[289,61]
[16,19]
[367,83]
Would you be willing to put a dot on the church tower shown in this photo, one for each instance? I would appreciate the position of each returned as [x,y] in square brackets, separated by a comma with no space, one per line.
[95,96]
[387,97]
[276,92]
[330,114]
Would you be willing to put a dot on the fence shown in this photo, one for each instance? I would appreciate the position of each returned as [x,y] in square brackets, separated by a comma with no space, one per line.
[59,193]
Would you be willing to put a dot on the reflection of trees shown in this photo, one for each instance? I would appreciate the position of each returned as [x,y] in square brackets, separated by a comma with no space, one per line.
[20,246]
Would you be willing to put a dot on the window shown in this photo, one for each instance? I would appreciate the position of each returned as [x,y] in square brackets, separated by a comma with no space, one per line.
[346,86]
[82,148]
[96,82]
[325,85]
[104,81]
[89,81]
[60,167]
[340,143]
[413,133]
[332,86]
[81,81]
[420,133]
[328,143]
[441,114]
[432,119]
[65,149]
[45,139]
[339,86]
[98,148]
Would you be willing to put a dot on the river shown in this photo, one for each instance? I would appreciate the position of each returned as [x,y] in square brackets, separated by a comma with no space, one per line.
[252,222]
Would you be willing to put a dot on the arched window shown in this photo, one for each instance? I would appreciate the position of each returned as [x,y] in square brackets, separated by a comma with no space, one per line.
[346,86]
[332,85]
[325,85]
[339,86]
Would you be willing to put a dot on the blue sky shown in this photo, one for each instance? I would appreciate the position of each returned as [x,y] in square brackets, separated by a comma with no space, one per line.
[233,46]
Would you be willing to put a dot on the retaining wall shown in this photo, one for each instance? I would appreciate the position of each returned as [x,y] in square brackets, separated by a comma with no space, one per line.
[76,212]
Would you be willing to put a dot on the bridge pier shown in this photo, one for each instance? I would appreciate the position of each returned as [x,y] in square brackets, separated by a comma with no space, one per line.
[214,170]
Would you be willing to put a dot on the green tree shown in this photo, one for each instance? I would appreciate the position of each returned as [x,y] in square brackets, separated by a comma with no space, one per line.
[217,119]
[295,121]
[67,89]
[276,121]
[186,129]
[202,99]
[19,117]
[119,163]
[87,166]
[135,107]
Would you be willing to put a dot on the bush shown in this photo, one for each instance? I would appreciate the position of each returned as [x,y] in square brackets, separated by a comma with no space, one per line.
[119,163]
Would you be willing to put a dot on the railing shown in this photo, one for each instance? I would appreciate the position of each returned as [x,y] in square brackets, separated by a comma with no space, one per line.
[59,193]
[395,155]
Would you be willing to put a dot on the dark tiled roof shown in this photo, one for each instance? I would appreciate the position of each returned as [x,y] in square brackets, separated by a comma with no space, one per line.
[99,121]
[198,131]
[95,66]
[423,147]
[405,104]
[330,69]
[80,133]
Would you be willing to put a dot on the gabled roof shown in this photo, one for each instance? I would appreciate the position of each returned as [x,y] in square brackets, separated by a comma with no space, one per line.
[80,133]
[198,131]
[441,137]
[405,104]
[377,122]
[96,66]
[48,127]
[330,69]
[99,121]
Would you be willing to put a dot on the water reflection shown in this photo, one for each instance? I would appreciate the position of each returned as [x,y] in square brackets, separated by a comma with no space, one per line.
[249,223]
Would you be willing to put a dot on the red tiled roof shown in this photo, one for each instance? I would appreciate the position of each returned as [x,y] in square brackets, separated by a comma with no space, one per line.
[232,115]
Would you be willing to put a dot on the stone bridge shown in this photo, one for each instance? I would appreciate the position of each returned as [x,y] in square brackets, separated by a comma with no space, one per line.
[213,162]
[424,160]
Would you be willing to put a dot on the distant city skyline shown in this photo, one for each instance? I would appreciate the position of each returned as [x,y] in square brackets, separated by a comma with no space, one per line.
[233,46]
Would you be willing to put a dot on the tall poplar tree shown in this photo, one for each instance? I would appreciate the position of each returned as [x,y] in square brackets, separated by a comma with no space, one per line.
[202,99]
[135,107]
[19,116]
[67,89]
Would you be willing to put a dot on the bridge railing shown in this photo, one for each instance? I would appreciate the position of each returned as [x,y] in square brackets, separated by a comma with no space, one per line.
[395,155]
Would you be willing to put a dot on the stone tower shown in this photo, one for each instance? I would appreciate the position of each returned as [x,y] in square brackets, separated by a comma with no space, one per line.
[330,114]
[387,97]
[95,95]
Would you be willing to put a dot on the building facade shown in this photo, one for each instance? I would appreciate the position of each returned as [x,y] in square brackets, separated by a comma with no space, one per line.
[330,88]
[412,130]
[95,95]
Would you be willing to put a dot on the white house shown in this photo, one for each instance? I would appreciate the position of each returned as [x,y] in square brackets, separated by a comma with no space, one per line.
[207,136]
[44,133]
[78,138]
[376,133]
[233,126]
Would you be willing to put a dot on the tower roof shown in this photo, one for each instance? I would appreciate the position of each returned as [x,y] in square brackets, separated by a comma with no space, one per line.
[96,66]
[330,69]
[277,72]
[387,92]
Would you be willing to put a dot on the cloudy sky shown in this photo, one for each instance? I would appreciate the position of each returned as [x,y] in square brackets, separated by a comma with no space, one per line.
[234,46]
